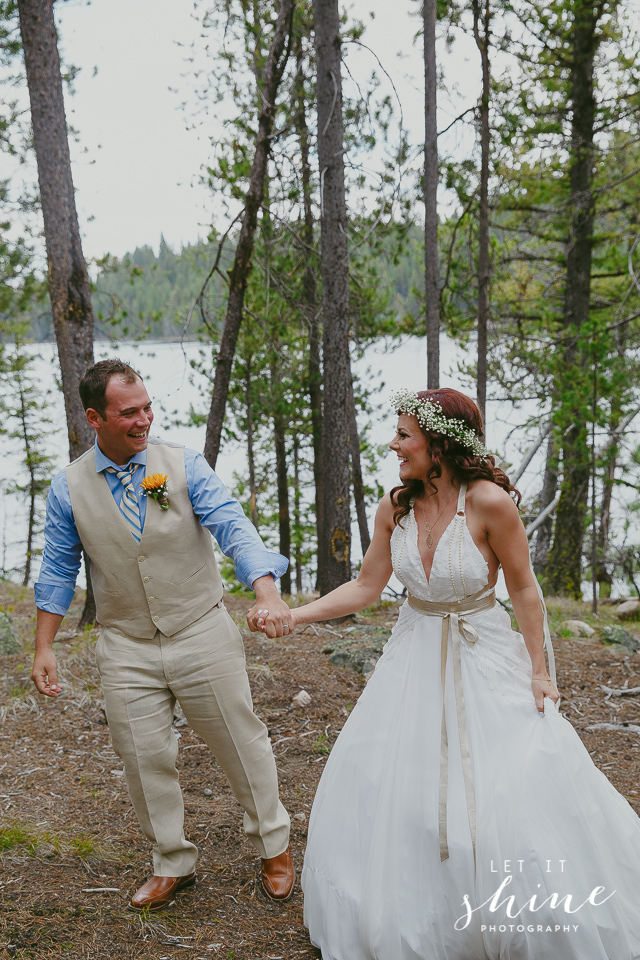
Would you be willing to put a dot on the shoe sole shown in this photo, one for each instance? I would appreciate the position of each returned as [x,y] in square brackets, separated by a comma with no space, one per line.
[150,908]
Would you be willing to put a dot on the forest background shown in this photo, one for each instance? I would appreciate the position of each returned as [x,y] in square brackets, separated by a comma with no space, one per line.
[531,264]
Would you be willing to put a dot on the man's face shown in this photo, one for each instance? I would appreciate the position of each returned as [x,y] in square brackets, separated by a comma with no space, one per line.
[128,418]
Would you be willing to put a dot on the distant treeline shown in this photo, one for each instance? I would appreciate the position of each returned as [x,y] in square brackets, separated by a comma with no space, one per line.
[145,294]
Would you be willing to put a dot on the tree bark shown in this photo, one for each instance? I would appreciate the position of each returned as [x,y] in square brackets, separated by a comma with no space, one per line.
[33,488]
[549,488]
[271,77]
[564,569]
[282,483]
[335,542]
[603,575]
[297,541]
[358,482]
[253,507]
[482,43]
[430,187]
[69,287]
[310,291]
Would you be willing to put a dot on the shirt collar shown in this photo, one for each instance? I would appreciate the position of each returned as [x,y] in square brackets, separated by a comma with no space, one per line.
[102,462]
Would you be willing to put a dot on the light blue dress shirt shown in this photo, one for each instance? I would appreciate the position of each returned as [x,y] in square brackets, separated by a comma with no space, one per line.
[216,509]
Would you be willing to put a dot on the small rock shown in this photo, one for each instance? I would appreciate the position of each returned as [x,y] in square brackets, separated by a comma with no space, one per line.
[619,635]
[577,628]
[302,699]
[340,658]
[299,816]
[207,792]
[9,639]
[629,610]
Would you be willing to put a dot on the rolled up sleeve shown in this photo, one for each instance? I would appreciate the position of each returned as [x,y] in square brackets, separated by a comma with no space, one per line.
[225,519]
[62,554]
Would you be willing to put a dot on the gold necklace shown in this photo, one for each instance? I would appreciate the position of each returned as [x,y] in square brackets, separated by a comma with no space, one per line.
[428,527]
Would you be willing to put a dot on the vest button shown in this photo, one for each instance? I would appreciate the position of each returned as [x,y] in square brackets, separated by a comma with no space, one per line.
[155,619]
[140,559]
[151,599]
[146,579]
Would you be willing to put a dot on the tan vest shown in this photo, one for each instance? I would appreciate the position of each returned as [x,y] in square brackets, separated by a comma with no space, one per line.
[166,581]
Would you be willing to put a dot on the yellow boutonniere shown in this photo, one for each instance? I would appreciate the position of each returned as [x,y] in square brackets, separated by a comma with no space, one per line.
[155,486]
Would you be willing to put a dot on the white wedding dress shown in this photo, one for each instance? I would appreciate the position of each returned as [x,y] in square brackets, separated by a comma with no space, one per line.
[547,821]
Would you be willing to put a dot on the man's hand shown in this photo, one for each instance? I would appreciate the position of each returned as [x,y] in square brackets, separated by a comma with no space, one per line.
[45,673]
[269,614]
[276,620]
[45,668]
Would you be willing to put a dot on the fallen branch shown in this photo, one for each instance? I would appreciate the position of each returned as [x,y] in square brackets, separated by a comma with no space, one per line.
[618,727]
[622,692]
[101,890]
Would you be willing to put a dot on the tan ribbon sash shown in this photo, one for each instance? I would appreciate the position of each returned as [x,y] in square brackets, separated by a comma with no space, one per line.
[454,623]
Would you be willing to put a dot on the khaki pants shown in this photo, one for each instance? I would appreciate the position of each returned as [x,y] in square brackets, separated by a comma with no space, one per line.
[202,666]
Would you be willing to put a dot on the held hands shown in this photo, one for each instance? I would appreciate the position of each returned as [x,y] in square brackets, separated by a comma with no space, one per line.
[275,618]
[543,687]
[45,674]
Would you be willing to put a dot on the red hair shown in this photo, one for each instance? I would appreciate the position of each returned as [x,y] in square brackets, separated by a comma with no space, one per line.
[466,466]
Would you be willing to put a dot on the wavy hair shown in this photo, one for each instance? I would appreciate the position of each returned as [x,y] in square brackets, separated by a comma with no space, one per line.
[464,464]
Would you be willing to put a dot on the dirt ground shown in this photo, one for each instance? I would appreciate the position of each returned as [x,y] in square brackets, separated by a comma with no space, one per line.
[72,853]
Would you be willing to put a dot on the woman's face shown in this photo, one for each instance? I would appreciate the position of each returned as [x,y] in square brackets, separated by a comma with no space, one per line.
[410,445]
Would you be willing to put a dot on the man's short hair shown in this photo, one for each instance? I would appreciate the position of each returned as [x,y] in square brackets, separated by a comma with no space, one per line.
[93,386]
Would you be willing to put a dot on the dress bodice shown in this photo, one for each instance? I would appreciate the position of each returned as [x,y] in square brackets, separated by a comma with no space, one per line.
[458,568]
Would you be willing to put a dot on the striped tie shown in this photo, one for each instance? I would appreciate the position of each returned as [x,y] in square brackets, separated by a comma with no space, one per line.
[129,503]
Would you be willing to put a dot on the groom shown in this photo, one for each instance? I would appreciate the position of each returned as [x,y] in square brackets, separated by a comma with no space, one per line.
[165,632]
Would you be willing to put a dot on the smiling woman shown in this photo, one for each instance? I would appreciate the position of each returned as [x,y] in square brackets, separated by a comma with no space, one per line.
[444,767]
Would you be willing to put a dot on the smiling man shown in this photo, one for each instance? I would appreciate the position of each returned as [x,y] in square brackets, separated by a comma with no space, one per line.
[166,635]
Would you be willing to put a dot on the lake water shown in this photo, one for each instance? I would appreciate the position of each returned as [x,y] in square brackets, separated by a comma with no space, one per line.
[175,388]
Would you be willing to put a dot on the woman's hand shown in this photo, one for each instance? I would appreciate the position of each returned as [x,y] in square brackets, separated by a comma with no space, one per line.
[276,620]
[543,687]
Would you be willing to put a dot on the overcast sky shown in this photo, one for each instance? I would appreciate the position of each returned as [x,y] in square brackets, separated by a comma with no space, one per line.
[137,175]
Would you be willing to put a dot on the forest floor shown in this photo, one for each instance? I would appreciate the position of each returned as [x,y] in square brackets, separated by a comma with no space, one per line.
[71,851]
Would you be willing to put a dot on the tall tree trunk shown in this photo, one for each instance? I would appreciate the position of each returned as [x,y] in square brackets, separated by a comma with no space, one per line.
[482,42]
[430,186]
[335,542]
[239,274]
[310,290]
[33,481]
[282,483]
[564,569]
[358,482]
[549,488]
[603,576]
[250,451]
[69,287]
[297,540]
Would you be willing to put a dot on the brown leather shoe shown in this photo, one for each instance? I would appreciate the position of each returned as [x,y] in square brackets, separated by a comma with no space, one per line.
[159,891]
[278,876]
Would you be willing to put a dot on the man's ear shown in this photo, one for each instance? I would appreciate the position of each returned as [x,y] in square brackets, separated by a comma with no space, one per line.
[94,419]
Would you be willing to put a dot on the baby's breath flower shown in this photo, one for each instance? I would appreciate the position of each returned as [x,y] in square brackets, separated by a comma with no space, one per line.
[430,416]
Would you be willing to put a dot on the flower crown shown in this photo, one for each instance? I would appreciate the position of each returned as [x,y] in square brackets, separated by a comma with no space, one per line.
[430,416]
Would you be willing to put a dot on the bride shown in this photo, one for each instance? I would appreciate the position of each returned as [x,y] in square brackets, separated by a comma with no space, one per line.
[459,816]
